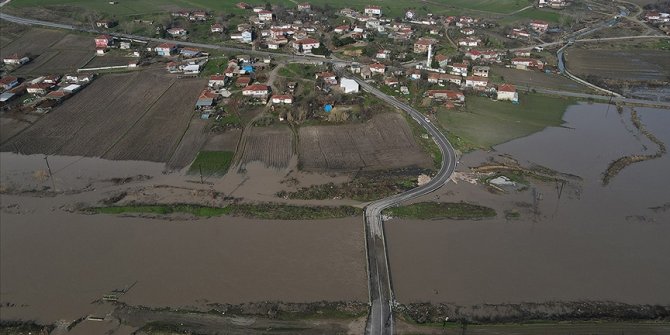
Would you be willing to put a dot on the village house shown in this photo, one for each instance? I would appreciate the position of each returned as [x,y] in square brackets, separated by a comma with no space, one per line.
[198,15]
[349,85]
[422,45]
[539,26]
[304,6]
[442,60]
[527,63]
[103,41]
[105,24]
[373,10]
[176,32]
[508,92]
[448,95]
[328,77]
[467,31]
[189,52]
[38,88]
[15,59]
[265,15]
[216,28]
[517,33]
[459,69]
[478,83]
[243,5]
[52,79]
[522,53]
[173,67]
[217,80]
[391,81]
[9,82]
[481,71]
[341,29]
[469,42]
[256,91]
[165,49]
[377,68]
[383,54]
[556,4]
[206,99]
[242,81]
[282,99]
[58,95]
[181,13]
[306,45]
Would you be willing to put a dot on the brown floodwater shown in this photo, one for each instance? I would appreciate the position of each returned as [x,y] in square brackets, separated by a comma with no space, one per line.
[53,264]
[595,242]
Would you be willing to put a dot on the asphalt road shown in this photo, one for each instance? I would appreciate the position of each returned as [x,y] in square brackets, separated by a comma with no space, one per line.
[380,320]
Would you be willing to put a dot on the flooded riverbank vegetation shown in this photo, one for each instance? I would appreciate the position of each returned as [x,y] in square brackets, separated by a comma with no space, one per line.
[266,211]
[618,165]
[436,210]
[426,313]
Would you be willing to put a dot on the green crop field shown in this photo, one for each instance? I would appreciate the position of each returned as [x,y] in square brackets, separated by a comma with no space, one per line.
[391,8]
[485,122]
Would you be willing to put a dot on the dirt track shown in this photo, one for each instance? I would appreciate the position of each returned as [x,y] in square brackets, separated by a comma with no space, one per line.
[385,142]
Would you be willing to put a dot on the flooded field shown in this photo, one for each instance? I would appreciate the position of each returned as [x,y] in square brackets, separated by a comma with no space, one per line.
[597,243]
[55,264]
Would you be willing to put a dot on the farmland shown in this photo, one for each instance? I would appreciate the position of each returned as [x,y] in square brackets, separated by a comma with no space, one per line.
[620,64]
[271,146]
[52,51]
[157,133]
[120,116]
[385,142]
[33,42]
[522,78]
[487,122]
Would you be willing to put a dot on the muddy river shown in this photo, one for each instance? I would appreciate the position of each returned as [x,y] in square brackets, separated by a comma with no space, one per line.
[54,264]
[594,242]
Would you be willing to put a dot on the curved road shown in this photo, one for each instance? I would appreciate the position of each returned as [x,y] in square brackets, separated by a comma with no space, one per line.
[380,320]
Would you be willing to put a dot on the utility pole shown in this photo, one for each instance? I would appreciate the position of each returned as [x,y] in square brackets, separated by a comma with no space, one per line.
[200,168]
[51,176]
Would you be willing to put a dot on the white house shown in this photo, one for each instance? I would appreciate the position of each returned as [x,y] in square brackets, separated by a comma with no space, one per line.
[377,68]
[349,85]
[373,10]
[476,82]
[15,59]
[382,54]
[175,32]
[459,69]
[265,15]
[306,44]
[508,92]
[481,71]
[257,90]
[282,99]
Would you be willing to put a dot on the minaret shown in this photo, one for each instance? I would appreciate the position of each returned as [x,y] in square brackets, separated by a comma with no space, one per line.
[429,61]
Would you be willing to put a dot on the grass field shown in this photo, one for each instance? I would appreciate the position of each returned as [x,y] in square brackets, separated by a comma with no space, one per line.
[212,163]
[391,9]
[552,16]
[486,123]
[434,210]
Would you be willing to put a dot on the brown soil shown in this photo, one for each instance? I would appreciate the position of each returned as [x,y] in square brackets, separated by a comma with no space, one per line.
[34,42]
[273,146]
[155,136]
[385,142]
[139,116]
